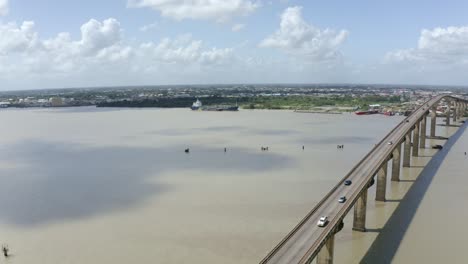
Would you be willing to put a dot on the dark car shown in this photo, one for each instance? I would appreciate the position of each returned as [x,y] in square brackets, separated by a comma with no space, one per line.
[348,182]
[342,199]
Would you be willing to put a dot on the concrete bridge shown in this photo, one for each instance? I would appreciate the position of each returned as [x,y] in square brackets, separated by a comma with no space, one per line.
[307,241]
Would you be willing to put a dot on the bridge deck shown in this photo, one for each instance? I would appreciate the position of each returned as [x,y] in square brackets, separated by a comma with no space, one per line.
[305,240]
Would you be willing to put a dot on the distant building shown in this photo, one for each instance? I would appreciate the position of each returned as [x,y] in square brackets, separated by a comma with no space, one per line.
[56,101]
[4,104]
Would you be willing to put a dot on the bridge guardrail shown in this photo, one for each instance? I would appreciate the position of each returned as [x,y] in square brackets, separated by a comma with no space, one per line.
[322,201]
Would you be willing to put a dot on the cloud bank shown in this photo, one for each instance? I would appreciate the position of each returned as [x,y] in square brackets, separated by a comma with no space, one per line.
[440,45]
[101,50]
[218,10]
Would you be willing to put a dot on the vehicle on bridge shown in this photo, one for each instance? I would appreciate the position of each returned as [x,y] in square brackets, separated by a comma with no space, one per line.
[342,199]
[323,221]
[311,240]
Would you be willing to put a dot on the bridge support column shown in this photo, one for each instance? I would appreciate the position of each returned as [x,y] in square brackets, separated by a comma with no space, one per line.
[407,154]
[422,142]
[463,109]
[359,223]
[381,183]
[325,255]
[447,113]
[396,163]
[416,139]
[433,121]
[455,106]
[460,110]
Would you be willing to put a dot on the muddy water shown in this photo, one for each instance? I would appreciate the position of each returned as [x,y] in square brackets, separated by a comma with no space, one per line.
[90,185]
[398,229]
[429,225]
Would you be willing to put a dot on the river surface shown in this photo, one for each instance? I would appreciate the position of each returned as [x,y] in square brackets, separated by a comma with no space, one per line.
[87,185]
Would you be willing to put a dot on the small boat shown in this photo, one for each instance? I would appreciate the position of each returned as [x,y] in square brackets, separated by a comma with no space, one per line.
[369,112]
[197,105]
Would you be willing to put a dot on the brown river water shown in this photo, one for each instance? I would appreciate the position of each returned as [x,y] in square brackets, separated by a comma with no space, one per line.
[87,185]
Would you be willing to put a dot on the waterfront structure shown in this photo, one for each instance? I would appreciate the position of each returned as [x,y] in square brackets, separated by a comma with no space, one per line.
[197,105]
[4,104]
[56,101]
[307,240]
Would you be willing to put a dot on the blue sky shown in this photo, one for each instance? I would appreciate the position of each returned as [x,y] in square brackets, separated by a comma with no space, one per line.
[138,42]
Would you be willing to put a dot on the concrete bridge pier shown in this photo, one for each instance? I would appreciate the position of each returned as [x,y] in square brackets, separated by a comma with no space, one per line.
[416,139]
[422,143]
[455,106]
[359,223]
[407,153]
[433,121]
[325,255]
[461,110]
[381,183]
[396,163]
[447,113]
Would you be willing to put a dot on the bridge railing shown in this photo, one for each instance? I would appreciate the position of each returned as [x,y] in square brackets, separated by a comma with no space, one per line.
[363,186]
[339,217]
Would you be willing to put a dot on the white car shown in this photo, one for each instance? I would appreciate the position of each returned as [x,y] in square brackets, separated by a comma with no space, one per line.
[323,221]
[390,143]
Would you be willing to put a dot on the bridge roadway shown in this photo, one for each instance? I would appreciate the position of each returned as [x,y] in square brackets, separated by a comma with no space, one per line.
[304,242]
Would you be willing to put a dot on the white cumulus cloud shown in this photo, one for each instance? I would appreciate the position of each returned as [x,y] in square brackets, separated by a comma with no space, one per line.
[100,53]
[183,50]
[96,35]
[218,10]
[14,38]
[297,37]
[22,47]
[440,45]
[3,7]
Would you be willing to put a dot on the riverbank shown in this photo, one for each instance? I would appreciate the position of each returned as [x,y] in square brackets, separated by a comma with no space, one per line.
[303,103]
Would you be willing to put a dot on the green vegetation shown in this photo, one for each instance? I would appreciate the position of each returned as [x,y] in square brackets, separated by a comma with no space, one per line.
[301,102]
[312,102]
[168,102]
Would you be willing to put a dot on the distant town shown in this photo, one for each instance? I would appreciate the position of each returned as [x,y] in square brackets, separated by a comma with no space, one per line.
[328,98]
